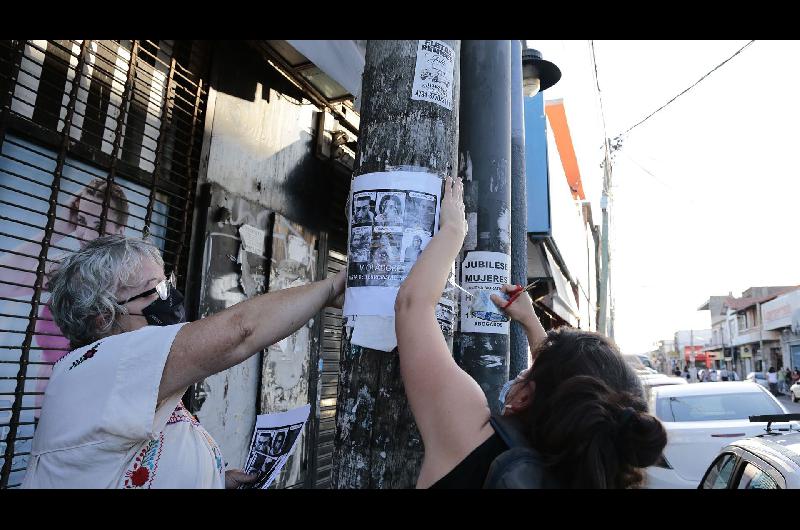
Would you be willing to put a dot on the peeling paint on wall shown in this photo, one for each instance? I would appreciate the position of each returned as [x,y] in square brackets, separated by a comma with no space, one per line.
[229,408]
[504,227]
[285,370]
[490,361]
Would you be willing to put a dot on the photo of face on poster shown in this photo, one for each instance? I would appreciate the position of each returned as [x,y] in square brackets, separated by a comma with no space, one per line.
[261,460]
[274,439]
[390,208]
[414,242]
[364,208]
[385,266]
[420,211]
[360,243]
[386,242]
[270,450]
[278,441]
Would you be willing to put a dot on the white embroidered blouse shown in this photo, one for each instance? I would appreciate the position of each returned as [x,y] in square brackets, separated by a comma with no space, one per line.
[101,427]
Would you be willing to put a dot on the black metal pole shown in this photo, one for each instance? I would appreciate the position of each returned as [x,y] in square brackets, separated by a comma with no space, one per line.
[519,207]
[485,164]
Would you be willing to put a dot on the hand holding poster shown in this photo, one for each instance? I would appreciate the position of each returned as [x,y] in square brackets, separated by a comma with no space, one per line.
[273,440]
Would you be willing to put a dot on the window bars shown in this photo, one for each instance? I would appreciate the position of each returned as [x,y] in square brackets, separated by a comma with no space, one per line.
[95,137]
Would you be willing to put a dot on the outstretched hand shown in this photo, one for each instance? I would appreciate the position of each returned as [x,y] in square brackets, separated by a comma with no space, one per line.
[451,216]
[336,296]
[520,309]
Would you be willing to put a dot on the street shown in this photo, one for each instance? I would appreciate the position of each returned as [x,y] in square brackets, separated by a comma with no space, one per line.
[793,408]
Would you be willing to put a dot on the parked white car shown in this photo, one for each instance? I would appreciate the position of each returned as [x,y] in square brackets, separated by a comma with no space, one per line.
[758,377]
[700,420]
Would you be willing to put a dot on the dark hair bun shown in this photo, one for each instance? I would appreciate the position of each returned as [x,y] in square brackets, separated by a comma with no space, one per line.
[596,437]
[642,438]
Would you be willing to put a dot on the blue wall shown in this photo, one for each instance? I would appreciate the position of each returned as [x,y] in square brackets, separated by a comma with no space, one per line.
[536,166]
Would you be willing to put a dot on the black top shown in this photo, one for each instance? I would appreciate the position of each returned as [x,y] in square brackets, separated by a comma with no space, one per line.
[471,472]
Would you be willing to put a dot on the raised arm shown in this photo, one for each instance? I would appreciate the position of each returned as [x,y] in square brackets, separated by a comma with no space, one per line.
[448,405]
[216,343]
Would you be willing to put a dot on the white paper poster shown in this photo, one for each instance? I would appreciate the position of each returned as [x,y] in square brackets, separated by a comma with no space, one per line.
[433,73]
[483,273]
[252,239]
[393,217]
[273,440]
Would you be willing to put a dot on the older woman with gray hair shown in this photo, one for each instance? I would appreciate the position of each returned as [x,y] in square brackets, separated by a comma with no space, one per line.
[112,416]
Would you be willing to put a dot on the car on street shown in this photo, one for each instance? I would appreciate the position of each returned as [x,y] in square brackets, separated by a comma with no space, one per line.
[700,419]
[653,380]
[770,460]
[639,363]
[758,377]
[661,379]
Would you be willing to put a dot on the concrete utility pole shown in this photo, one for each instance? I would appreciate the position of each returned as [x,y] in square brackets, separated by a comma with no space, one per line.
[519,206]
[602,291]
[485,163]
[377,443]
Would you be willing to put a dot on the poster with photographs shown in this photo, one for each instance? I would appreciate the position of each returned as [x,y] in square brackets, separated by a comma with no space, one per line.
[393,216]
[274,438]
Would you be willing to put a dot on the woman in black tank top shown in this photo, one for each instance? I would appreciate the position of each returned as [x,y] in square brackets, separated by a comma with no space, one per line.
[580,405]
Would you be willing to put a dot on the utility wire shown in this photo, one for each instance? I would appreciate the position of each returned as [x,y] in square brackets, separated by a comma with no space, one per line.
[599,94]
[685,91]
[657,179]
[606,157]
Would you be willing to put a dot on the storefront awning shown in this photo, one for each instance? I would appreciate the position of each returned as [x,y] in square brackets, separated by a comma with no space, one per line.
[564,299]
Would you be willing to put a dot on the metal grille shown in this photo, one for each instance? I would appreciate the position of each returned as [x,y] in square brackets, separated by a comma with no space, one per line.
[95,137]
[328,379]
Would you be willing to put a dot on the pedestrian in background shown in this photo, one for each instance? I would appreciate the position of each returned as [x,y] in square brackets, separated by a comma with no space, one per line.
[772,379]
[781,379]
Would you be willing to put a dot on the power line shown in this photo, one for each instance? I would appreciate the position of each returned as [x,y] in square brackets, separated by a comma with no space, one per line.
[606,155]
[685,91]
[657,179]
[599,94]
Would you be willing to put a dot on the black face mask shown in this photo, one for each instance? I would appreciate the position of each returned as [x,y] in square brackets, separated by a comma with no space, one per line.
[166,312]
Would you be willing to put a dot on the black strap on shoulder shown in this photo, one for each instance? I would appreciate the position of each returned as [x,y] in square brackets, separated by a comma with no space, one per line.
[509,429]
[521,466]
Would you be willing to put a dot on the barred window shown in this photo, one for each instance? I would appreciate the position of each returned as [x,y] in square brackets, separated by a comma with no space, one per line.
[95,137]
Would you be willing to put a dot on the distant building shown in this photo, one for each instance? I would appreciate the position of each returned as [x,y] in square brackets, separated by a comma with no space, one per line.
[782,315]
[738,335]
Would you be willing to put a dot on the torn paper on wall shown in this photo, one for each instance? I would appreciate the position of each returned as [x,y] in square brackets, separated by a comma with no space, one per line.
[252,239]
[394,215]
[374,332]
[274,438]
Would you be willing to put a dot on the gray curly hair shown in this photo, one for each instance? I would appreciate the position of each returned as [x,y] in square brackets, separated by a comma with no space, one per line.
[83,287]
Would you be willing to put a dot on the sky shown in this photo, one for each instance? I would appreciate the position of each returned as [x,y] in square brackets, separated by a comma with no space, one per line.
[705,192]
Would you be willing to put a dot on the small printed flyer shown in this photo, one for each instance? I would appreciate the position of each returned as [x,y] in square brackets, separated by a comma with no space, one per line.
[273,440]
[433,73]
[483,273]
